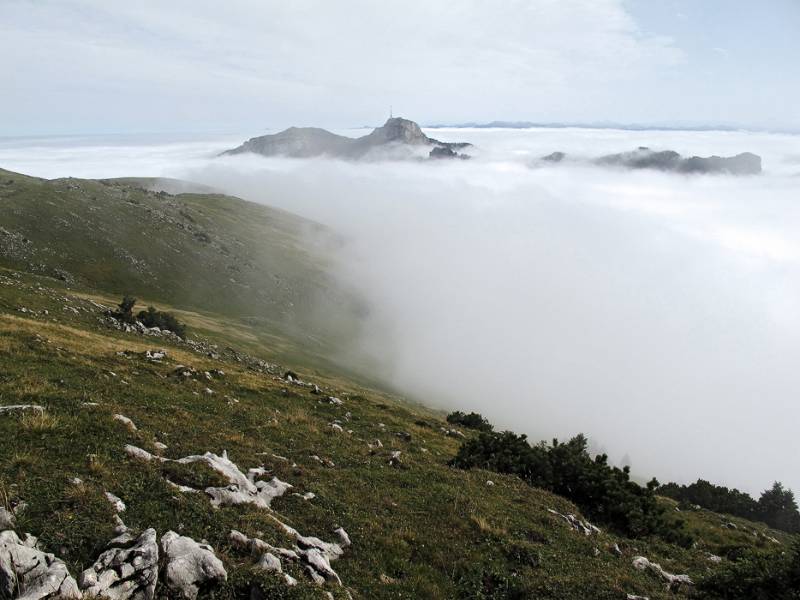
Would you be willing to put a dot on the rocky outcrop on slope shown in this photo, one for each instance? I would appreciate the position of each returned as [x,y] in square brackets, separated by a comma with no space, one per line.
[124,572]
[307,142]
[189,566]
[27,573]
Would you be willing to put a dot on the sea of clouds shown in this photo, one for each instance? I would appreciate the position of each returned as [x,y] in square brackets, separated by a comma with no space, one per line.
[656,312]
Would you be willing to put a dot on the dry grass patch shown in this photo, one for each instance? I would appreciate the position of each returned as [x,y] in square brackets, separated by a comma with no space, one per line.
[38,421]
[485,527]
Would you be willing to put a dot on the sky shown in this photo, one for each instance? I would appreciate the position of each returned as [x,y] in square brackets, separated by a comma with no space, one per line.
[99,66]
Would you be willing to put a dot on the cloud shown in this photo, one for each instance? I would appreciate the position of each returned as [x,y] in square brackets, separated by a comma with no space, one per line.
[154,65]
[655,312]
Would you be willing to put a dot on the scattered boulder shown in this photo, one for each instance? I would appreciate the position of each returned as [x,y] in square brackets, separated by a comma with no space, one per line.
[189,566]
[126,421]
[27,573]
[643,564]
[582,526]
[124,573]
[7,520]
[116,502]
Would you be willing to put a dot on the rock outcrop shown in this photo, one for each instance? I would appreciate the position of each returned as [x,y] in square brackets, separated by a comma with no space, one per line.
[643,564]
[27,573]
[242,489]
[307,142]
[189,566]
[124,573]
[745,163]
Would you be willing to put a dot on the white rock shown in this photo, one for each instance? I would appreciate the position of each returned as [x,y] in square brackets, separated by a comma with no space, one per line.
[269,562]
[7,520]
[116,502]
[337,428]
[141,454]
[344,539]
[160,446]
[125,421]
[188,565]
[241,489]
[583,526]
[124,573]
[307,496]
[642,564]
[27,573]
[489,482]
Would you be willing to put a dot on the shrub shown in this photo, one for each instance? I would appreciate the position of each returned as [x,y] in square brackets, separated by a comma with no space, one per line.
[776,507]
[163,320]
[472,420]
[603,492]
[755,575]
[125,312]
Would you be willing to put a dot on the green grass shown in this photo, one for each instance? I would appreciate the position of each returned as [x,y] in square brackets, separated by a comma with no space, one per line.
[425,530]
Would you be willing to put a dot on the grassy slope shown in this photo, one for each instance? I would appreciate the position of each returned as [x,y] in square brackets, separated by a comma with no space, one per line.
[209,252]
[423,531]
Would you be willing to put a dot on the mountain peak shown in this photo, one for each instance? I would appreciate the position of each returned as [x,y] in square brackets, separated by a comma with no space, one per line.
[310,141]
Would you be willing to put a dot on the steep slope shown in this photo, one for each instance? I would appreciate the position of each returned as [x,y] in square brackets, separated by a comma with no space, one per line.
[197,251]
[306,142]
[419,528]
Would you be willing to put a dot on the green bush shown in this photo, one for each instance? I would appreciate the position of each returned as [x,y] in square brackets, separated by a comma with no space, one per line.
[125,312]
[776,507]
[755,575]
[163,320]
[604,493]
[472,420]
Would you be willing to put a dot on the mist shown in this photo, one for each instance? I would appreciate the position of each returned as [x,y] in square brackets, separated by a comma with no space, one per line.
[657,313]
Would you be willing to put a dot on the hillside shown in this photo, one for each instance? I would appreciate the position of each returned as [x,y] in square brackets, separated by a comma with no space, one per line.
[305,142]
[250,263]
[374,509]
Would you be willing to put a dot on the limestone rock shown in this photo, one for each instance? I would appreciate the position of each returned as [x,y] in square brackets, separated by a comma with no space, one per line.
[189,565]
[125,421]
[643,564]
[27,573]
[124,573]
[7,520]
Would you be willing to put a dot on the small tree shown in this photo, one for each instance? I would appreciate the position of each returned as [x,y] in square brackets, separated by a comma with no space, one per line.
[125,313]
[778,508]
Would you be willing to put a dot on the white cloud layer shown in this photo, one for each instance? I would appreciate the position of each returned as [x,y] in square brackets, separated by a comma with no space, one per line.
[655,312]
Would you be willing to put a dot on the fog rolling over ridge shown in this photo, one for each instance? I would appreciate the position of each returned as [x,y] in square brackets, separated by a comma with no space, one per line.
[655,312]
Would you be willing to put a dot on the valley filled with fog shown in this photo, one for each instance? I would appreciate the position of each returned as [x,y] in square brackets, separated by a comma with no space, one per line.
[656,312]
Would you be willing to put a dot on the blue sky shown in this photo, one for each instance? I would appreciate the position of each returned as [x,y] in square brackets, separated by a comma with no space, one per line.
[87,66]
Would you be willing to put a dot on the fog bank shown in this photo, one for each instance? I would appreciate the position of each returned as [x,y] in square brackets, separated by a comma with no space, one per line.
[657,313]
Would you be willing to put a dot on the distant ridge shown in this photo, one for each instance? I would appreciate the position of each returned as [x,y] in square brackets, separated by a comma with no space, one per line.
[607,125]
[307,142]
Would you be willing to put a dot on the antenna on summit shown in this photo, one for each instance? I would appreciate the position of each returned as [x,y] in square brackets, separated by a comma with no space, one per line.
[390,111]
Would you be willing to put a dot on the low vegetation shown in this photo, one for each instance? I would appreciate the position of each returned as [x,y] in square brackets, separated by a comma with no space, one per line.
[776,507]
[603,492]
[472,420]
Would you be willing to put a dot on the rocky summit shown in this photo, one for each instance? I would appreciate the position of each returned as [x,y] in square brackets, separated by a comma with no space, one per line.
[397,138]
